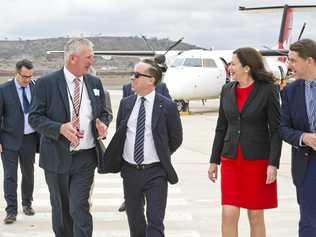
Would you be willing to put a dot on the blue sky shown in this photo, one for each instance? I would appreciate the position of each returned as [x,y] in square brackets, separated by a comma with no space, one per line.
[206,23]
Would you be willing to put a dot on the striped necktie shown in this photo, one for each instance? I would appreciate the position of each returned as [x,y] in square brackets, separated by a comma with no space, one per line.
[312,106]
[76,107]
[140,131]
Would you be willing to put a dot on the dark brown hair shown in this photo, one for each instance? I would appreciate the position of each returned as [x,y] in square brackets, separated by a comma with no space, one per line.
[253,59]
[305,48]
[23,63]
[153,70]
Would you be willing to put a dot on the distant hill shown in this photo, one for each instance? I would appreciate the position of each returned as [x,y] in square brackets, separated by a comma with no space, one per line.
[35,50]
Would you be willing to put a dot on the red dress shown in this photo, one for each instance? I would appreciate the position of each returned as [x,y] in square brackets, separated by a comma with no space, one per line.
[243,182]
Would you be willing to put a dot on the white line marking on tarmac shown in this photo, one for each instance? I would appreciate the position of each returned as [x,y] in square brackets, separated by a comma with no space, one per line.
[105,217]
[112,202]
[109,190]
[111,233]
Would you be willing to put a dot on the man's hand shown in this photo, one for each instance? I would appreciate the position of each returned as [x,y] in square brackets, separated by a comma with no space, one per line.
[0,148]
[68,131]
[309,139]
[102,128]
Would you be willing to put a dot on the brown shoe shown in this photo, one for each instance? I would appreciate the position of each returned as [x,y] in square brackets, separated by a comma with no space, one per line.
[28,210]
[9,219]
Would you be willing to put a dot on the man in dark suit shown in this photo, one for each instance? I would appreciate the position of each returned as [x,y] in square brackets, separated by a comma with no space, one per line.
[18,140]
[68,110]
[148,131]
[160,88]
[298,128]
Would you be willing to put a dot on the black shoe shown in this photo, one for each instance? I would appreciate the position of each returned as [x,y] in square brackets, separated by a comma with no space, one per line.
[9,219]
[122,207]
[28,210]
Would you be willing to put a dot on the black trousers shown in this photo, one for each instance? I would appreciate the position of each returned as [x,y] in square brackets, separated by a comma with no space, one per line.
[69,196]
[10,160]
[150,186]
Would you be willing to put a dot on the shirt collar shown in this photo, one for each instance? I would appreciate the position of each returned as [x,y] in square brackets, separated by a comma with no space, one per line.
[149,97]
[69,76]
[17,85]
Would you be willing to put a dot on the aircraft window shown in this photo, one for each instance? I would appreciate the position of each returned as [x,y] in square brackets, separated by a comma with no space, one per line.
[208,62]
[177,62]
[193,62]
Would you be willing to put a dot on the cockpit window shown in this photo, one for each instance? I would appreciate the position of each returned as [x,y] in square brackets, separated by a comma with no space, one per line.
[177,62]
[192,62]
[208,62]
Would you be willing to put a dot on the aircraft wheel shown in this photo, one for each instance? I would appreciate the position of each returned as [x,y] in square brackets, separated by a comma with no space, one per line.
[182,106]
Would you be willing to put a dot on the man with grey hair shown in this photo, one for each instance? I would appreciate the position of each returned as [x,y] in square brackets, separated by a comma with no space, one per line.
[68,110]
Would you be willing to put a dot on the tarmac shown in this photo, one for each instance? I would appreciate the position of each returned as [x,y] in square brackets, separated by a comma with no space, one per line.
[193,208]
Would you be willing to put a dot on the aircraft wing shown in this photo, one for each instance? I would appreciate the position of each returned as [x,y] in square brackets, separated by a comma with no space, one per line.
[142,53]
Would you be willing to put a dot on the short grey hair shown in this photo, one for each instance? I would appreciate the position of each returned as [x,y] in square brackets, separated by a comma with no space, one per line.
[74,46]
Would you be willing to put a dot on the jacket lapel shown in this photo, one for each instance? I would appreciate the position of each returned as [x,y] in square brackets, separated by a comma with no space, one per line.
[62,87]
[91,96]
[232,94]
[301,105]
[157,108]
[129,107]
[251,96]
[15,95]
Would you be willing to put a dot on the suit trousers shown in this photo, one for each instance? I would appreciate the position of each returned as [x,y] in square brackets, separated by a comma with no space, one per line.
[140,186]
[69,196]
[306,196]
[10,159]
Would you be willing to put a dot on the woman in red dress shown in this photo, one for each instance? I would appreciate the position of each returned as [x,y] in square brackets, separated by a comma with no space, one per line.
[247,143]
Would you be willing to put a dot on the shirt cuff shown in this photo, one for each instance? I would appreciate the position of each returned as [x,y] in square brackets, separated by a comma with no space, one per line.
[301,140]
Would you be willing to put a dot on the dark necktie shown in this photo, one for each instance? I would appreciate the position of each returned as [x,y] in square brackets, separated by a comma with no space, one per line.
[26,103]
[140,131]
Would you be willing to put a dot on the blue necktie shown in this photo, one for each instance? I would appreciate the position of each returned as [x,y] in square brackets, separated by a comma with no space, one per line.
[26,103]
[140,131]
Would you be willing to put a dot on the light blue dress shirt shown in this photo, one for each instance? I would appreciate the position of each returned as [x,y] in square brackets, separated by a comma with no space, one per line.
[27,128]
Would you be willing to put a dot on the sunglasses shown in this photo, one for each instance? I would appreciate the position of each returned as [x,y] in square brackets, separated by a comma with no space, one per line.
[26,77]
[138,75]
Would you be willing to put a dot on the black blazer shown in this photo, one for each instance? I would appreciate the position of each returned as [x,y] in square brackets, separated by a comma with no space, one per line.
[255,128]
[294,122]
[11,116]
[161,88]
[50,109]
[166,130]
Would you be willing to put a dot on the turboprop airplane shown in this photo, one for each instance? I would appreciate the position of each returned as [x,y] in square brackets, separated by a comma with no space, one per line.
[200,74]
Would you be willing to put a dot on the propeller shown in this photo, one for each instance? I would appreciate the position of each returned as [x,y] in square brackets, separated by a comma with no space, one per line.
[302,31]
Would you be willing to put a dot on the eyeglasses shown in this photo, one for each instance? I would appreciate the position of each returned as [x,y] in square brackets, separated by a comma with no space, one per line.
[26,77]
[138,75]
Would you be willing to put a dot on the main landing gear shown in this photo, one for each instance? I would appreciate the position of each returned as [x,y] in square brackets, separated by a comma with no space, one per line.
[182,105]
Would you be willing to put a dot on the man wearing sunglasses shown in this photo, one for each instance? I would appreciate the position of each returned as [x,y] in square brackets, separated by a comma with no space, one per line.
[148,131]
[18,140]
[160,88]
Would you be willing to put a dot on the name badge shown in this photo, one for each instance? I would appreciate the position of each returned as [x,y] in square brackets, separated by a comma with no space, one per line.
[96,92]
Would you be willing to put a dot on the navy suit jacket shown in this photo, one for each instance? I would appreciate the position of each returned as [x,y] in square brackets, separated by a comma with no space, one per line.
[166,130]
[11,117]
[161,88]
[50,109]
[294,122]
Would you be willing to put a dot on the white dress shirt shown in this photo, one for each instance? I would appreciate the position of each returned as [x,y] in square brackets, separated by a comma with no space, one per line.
[85,113]
[150,153]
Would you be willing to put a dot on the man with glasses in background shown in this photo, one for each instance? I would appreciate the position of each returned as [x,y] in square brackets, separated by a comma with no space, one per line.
[18,140]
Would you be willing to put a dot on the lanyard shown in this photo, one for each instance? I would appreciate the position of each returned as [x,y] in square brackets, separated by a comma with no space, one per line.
[72,101]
